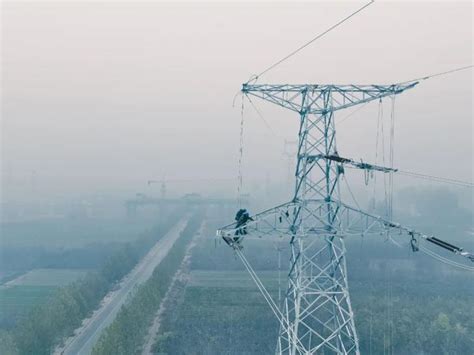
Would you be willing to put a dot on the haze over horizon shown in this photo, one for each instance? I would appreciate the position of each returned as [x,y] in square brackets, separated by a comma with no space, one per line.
[105,96]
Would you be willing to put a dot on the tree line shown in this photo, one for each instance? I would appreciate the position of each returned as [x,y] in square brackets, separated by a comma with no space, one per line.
[127,332]
[48,324]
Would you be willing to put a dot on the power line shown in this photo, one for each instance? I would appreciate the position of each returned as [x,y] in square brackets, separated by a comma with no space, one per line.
[438,74]
[437,178]
[255,77]
[444,260]
[350,191]
[352,113]
[413,80]
[241,154]
[431,178]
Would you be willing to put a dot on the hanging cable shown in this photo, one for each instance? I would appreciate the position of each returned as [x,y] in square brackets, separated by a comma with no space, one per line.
[279,249]
[350,191]
[235,97]
[241,152]
[276,311]
[379,112]
[392,149]
[260,285]
[390,305]
[444,260]
[259,113]
[255,77]
[394,242]
[385,183]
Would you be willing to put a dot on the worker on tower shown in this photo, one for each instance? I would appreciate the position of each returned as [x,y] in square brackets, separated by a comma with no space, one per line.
[242,217]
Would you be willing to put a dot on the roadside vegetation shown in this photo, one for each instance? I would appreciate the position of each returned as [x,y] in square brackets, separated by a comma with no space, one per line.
[48,324]
[127,332]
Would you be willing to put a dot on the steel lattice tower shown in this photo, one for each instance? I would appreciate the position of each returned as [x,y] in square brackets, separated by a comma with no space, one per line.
[316,316]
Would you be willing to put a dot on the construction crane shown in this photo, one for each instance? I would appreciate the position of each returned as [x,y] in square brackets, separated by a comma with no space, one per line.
[316,315]
[141,199]
[163,182]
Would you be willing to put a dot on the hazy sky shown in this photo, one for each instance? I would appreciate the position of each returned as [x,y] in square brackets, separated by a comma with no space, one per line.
[100,96]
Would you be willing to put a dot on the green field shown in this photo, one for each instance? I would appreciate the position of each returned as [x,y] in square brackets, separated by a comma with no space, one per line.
[209,278]
[17,301]
[70,233]
[47,277]
[20,295]
[220,310]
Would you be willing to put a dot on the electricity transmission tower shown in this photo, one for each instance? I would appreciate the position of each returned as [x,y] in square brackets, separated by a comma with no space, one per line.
[316,315]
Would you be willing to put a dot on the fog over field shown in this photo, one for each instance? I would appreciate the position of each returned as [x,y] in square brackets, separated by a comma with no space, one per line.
[124,136]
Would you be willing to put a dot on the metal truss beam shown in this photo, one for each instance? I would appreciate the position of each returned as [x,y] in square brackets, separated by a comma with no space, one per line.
[342,96]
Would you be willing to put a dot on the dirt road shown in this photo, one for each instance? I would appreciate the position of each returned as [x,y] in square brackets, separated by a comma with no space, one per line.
[172,293]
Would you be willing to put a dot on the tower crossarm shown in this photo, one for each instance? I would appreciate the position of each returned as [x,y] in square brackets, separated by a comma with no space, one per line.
[364,223]
[284,221]
[342,96]
[274,221]
[356,164]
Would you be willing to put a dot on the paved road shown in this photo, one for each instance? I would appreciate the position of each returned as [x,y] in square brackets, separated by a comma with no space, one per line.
[86,337]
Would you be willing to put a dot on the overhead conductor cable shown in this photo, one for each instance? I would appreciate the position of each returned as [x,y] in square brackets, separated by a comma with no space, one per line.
[255,77]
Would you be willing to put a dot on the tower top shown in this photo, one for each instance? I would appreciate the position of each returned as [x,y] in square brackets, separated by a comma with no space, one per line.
[322,98]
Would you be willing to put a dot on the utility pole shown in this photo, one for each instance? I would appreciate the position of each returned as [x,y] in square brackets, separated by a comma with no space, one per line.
[317,315]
